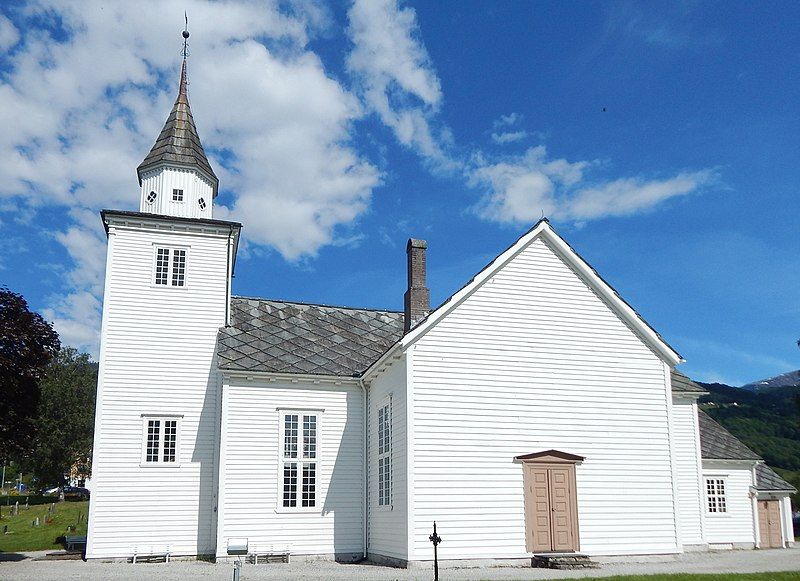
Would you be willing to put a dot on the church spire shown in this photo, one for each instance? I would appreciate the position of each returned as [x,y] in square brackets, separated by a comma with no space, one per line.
[178,145]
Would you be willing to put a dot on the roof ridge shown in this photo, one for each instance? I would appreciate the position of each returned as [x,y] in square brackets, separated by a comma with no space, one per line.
[324,305]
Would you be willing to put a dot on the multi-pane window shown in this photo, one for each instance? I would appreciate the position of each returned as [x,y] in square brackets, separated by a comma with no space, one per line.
[299,439]
[202,203]
[151,197]
[715,495]
[385,454]
[177,195]
[170,267]
[160,440]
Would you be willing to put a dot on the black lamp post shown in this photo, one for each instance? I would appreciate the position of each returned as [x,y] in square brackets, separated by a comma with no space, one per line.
[435,539]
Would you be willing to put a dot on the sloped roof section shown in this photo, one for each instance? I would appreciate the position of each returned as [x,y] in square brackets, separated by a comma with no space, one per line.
[717,443]
[285,337]
[178,141]
[768,479]
[682,384]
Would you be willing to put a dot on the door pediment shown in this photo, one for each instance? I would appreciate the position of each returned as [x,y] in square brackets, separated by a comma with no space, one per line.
[550,457]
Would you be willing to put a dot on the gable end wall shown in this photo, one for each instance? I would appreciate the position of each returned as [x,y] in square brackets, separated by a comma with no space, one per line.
[532,360]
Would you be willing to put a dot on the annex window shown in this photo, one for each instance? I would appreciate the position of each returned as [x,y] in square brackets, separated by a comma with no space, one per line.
[385,454]
[170,267]
[151,197]
[160,440]
[177,195]
[715,495]
[299,459]
[202,203]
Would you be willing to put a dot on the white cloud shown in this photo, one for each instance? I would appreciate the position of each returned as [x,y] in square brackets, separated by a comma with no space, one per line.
[80,112]
[507,120]
[509,136]
[9,35]
[519,189]
[396,77]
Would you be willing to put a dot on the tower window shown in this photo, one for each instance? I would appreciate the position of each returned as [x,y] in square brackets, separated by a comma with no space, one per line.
[170,267]
[202,203]
[177,195]
[151,197]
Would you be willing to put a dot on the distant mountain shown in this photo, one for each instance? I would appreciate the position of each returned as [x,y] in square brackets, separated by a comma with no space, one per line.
[765,418]
[790,379]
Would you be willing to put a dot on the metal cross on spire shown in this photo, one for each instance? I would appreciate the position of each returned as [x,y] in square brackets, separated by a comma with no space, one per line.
[185,51]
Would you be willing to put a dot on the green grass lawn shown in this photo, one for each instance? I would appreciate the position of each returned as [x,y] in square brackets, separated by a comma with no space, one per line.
[785,576]
[24,537]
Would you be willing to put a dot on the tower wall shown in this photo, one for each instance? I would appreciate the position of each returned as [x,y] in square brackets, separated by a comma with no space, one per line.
[157,360]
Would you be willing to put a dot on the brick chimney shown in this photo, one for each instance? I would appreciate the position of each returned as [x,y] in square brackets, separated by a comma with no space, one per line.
[417,297]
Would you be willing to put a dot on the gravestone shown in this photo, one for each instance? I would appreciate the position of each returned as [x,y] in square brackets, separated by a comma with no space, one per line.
[16,508]
[26,503]
[35,522]
[5,529]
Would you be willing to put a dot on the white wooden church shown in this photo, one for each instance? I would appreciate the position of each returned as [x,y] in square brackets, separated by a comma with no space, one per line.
[533,412]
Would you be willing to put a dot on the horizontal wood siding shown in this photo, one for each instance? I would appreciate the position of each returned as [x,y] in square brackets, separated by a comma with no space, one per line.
[534,360]
[736,525]
[252,478]
[688,469]
[388,525]
[157,357]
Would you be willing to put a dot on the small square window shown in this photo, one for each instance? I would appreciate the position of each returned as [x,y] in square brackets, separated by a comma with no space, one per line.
[716,501]
[160,440]
[170,267]
[177,195]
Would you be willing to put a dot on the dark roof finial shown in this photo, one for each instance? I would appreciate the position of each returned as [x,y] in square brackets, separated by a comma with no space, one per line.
[185,34]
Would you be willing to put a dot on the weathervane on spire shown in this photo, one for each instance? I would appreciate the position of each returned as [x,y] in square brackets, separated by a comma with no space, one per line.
[185,51]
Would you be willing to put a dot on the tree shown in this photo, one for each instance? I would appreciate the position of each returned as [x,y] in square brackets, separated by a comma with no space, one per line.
[27,344]
[65,421]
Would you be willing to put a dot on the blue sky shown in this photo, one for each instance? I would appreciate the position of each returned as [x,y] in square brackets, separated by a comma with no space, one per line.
[659,138]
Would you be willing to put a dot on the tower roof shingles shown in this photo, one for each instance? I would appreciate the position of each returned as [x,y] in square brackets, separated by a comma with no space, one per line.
[178,141]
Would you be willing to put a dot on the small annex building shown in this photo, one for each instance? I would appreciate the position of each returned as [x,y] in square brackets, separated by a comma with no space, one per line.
[534,411]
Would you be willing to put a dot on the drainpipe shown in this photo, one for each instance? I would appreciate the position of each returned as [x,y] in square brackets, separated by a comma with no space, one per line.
[365,456]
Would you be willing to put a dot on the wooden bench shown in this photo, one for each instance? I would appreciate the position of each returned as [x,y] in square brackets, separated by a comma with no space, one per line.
[150,552]
[268,554]
[74,543]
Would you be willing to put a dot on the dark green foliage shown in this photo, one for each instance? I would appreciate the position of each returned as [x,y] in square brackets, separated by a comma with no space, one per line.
[27,344]
[65,420]
[767,421]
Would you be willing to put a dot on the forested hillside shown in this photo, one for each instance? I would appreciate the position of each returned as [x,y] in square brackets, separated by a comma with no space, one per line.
[767,420]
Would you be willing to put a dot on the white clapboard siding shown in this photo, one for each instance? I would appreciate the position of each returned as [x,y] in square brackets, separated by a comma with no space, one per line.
[251,474]
[736,525]
[532,360]
[688,471]
[388,525]
[157,357]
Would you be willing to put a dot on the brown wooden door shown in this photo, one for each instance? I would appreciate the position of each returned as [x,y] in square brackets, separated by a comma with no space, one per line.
[769,524]
[550,509]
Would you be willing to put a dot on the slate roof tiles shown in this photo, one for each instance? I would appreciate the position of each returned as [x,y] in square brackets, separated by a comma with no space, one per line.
[284,337]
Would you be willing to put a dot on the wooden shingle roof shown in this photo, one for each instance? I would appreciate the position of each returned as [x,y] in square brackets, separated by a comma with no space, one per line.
[178,141]
[768,479]
[717,443]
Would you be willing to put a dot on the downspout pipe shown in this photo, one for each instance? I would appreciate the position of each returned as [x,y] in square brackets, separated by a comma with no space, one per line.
[365,456]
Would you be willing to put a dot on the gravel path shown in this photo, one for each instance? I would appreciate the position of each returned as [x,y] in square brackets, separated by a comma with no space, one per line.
[715,562]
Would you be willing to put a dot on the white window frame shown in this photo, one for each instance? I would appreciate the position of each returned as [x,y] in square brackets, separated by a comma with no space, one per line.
[384,452]
[160,462]
[708,496]
[170,265]
[183,195]
[301,460]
